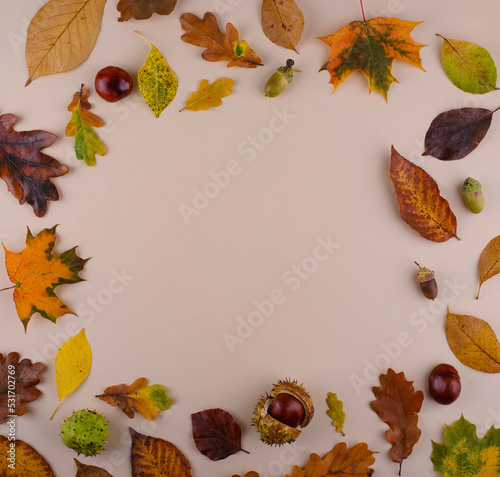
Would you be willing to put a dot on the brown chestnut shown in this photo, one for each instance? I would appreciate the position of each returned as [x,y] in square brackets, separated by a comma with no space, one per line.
[113,83]
[444,384]
[287,409]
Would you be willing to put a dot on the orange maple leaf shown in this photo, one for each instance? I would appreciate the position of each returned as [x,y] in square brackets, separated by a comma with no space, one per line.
[36,271]
[370,46]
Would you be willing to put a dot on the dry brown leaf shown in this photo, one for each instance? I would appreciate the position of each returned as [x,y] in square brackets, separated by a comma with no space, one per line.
[62,35]
[251,473]
[489,262]
[143,9]
[473,342]
[84,470]
[282,22]
[27,461]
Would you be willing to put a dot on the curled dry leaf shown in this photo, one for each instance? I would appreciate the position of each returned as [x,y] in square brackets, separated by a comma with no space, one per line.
[282,22]
[216,434]
[62,35]
[397,404]
[36,272]
[18,380]
[371,46]
[420,203]
[456,133]
[209,95]
[84,470]
[469,66]
[26,463]
[156,457]
[339,462]
[473,342]
[464,454]
[26,170]
[218,47]
[147,400]
[143,9]
[251,473]
[336,412]
[489,262]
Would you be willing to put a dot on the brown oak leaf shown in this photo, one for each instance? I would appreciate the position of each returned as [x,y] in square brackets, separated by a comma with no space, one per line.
[339,462]
[143,9]
[25,169]
[216,434]
[28,462]
[397,404]
[20,378]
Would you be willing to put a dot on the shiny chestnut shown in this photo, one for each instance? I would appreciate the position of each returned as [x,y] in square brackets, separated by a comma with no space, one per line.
[113,83]
[444,384]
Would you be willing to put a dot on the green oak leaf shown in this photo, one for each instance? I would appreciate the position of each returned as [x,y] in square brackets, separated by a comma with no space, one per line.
[336,412]
[464,454]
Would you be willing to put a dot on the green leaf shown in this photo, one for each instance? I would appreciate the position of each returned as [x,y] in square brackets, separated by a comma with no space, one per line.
[157,81]
[336,412]
[469,66]
[464,454]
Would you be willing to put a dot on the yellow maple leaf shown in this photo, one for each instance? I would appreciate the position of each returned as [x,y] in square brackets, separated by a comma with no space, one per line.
[36,271]
[209,94]
[370,46]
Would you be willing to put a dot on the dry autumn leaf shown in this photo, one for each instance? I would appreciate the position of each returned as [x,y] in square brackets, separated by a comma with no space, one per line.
[473,342]
[84,470]
[397,404]
[339,462]
[143,9]
[147,400]
[282,22]
[25,169]
[219,47]
[27,462]
[156,457]
[489,262]
[36,272]
[62,35]
[456,133]
[73,362]
[18,380]
[371,46]
[209,95]
[216,434]
[251,473]
[336,412]
[421,206]
[87,143]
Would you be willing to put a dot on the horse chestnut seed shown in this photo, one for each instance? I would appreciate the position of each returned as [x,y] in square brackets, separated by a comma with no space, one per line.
[287,409]
[113,83]
[444,384]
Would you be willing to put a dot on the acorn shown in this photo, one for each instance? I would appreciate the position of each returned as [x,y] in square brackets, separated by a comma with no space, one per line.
[473,195]
[280,79]
[427,282]
[278,415]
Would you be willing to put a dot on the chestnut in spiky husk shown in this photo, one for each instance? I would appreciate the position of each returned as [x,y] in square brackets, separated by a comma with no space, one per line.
[278,415]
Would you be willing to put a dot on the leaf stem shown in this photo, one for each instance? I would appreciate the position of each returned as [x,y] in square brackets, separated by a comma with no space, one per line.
[55,410]
[362,10]
[8,288]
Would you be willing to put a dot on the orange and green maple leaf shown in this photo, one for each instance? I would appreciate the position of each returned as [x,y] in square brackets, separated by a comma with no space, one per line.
[371,46]
[36,272]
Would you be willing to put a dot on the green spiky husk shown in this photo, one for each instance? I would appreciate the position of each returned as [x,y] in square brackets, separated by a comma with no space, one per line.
[85,432]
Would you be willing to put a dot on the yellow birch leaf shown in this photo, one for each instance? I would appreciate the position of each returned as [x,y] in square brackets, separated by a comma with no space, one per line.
[473,342]
[336,412]
[209,94]
[73,363]
[157,81]
[62,35]
[489,262]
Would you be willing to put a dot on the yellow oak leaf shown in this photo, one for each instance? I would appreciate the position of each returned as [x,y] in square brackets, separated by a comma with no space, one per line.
[36,272]
[209,94]
[370,46]
[336,412]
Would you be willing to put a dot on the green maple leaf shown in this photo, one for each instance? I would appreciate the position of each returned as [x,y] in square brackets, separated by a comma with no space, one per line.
[464,454]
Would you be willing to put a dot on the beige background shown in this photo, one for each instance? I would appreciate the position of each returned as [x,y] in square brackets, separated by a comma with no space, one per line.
[324,176]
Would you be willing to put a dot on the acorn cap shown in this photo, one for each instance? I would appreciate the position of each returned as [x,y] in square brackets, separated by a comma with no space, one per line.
[471,186]
[424,274]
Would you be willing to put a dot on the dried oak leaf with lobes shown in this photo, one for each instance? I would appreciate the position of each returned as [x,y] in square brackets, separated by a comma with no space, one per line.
[421,205]
[25,169]
[143,9]
[24,375]
[370,46]
[397,404]
[27,462]
[219,47]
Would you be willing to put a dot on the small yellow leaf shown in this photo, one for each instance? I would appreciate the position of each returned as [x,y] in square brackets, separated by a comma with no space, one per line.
[336,412]
[489,262]
[209,94]
[73,363]
[157,81]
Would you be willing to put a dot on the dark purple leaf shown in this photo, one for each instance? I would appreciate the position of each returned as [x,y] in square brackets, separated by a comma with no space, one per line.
[216,434]
[456,133]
